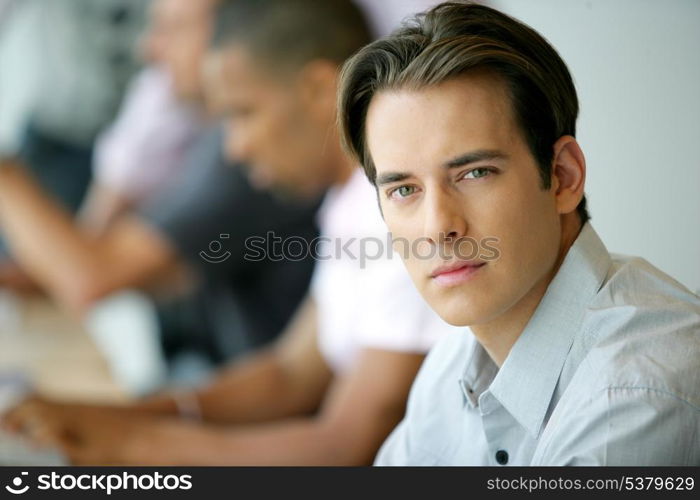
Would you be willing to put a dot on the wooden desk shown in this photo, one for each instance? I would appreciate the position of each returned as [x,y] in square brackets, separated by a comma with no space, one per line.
[54,351]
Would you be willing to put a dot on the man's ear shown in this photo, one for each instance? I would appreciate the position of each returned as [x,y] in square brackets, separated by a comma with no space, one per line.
[318,82]
[568,174]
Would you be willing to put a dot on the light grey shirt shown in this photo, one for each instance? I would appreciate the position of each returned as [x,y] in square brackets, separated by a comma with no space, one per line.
[606,372]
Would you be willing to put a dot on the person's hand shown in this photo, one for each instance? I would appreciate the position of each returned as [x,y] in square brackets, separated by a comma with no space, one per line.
[12,277]
[36,419]
[88,435]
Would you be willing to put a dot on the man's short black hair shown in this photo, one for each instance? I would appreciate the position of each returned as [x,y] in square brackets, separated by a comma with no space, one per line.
[287,34]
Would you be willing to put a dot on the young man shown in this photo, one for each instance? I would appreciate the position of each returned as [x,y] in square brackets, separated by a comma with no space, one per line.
[465,122]
[335,384]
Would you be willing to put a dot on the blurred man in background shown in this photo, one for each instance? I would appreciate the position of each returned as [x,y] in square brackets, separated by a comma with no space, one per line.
[334,385]
[140,154]
[162,244]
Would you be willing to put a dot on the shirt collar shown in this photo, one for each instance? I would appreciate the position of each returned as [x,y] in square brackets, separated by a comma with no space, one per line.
[478,373]
[525,383]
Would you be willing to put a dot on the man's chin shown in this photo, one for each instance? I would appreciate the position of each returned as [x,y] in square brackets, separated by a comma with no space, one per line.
[460,307]
[455,315]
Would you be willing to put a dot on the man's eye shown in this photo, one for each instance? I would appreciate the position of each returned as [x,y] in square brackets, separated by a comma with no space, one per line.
[477,173]
[402,192]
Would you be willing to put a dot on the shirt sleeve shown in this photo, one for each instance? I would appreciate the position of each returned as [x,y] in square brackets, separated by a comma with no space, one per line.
[624,426]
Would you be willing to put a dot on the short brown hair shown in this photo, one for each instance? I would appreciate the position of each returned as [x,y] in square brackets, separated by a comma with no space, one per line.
[450,40]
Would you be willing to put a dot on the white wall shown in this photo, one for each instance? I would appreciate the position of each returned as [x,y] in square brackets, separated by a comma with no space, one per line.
[636,64]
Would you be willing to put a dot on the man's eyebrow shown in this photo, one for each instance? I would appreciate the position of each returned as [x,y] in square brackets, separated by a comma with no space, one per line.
[474,156]
[458,161]
[391,177]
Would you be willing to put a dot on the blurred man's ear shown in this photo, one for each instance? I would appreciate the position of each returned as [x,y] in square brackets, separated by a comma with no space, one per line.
[318,85]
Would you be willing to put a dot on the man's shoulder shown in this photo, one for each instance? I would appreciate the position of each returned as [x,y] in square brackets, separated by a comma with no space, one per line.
[634,281]
[631,387]
[642,330]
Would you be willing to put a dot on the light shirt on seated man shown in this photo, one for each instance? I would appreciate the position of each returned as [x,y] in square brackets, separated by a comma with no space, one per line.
[611,351]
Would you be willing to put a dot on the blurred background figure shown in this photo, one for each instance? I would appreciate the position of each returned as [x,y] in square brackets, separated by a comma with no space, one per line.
[140,154]
[162,199]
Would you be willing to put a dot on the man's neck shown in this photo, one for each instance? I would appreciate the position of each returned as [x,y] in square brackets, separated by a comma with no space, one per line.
[498,336]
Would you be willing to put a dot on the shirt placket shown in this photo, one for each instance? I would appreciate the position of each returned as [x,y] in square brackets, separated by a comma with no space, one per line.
[499,428]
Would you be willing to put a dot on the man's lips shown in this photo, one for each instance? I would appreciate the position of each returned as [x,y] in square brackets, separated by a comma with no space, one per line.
[455,273]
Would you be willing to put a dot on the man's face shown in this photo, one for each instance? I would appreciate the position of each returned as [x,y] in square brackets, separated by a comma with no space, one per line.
[433,194]
[177,39]
[272,127]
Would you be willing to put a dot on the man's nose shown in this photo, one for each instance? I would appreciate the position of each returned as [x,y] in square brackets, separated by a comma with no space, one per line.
[443,221]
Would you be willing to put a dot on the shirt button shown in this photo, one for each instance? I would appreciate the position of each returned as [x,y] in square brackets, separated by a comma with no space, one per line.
[502,457]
